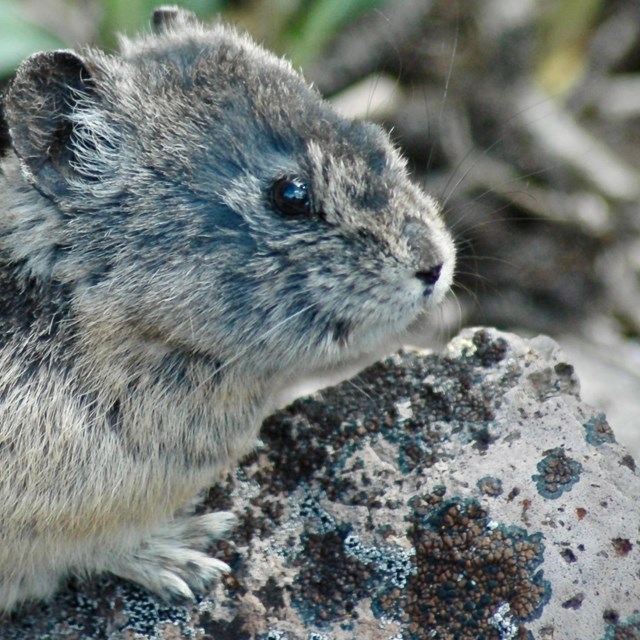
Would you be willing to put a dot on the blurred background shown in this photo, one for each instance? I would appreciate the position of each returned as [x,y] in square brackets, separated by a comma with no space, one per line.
[523,118]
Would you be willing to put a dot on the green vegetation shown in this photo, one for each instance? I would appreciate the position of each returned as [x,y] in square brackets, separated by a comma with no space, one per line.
[565,28]
[298,28]
[301,29]
[19,37]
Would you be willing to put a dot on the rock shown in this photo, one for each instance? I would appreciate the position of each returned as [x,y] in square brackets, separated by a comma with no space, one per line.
[609,367]
[464,495]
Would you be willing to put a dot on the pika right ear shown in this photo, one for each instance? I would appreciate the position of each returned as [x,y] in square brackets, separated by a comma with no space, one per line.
[172,19]
[38,108]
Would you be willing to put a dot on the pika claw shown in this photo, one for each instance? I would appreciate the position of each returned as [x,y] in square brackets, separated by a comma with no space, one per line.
[171,562]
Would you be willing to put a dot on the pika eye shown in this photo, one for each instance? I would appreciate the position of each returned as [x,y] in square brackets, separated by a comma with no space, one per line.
[290,196]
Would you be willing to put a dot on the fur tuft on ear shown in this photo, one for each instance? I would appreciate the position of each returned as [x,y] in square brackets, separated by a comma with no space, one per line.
[172,18]
[39,108]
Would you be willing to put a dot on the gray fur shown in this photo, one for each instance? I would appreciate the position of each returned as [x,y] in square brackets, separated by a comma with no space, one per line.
[155,303]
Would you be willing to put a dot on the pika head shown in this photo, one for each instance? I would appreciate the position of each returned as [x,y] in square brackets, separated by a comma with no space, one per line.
[205,197]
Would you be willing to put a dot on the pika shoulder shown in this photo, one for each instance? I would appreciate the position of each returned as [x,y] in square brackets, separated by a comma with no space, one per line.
[185,227]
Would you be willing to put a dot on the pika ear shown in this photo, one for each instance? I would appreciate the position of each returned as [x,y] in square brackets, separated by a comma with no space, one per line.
[172,18]
[38,108]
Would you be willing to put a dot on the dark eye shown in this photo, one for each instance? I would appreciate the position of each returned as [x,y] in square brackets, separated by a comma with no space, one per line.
[290,196]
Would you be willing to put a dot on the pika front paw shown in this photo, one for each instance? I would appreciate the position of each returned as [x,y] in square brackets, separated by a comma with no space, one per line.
[172,562]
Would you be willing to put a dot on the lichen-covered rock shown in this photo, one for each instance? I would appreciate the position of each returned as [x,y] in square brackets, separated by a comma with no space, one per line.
[464,495]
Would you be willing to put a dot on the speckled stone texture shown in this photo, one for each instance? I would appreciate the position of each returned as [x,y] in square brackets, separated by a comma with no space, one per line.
[464,495]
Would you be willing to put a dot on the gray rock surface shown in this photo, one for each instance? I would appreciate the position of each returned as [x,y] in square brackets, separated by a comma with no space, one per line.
[464,495]
[609,368]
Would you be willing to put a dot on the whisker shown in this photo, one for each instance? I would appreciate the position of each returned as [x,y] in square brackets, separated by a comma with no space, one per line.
[447,196]
[447,84]
[500,191]
[351,382]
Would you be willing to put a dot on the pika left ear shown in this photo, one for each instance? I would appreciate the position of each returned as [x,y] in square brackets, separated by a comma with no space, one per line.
[38,108]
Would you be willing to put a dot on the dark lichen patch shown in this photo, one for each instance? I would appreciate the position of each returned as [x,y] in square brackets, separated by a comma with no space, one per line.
[217,499]
[330,582]
[338,571]
[622,546]
[313,440]
[259,522]
[575,602]
[628,461]
[566,379]
[490,486]
[466,570]
[564,369]
[556,380]
[466,400]
[558,474]
[235,629]
[598,430]
[626,630]
[482,438]
[610,616]
[513,494]
[271,595]
[415,452]
[568,556]
[489,351]
[297,448]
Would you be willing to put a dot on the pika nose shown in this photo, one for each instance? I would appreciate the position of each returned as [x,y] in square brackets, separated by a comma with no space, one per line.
[429,276]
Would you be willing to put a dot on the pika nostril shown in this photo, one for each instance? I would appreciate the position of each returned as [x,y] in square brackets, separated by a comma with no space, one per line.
[429,276]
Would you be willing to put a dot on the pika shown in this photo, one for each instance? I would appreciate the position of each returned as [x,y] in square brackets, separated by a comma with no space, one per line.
[186,228]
